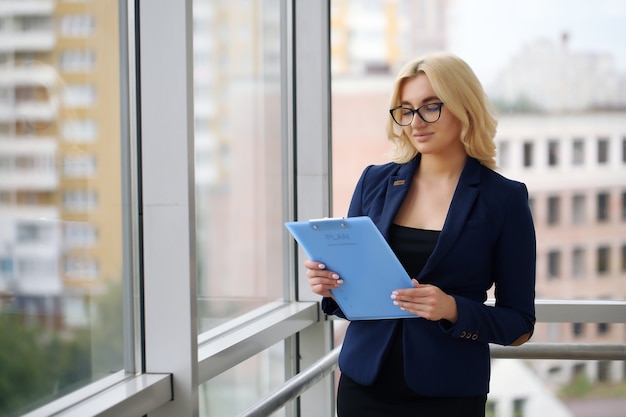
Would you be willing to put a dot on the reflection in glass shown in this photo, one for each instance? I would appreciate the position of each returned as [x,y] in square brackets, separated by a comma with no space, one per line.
[238,168]
[60,200]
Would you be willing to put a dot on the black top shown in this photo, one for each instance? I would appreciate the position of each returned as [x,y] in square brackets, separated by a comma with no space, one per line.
[412,247]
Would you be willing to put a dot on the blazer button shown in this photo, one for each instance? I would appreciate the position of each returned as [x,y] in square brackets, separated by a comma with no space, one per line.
[475,337]
[462,334]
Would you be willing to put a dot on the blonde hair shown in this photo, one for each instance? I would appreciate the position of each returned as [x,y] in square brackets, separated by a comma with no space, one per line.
[457,86]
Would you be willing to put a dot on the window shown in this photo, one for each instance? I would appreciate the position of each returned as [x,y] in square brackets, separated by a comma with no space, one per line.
[624,150]
[79,131]
[603,260]
[77,25]
[65,327]
[602,210]
[528,154]
[79,95]
[578,208]
[578,329]
[79,234]
[77,60]
[519,407]
[238,164]
[578,152]
[79,166]
[623,258]
[553,153]
[603,151]
[81,267]
[603,328]
[554,207]
[578,263]
[80,200]
[554,264]
[624,205]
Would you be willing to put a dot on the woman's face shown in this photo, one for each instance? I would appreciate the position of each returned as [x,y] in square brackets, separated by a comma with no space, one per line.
[440,137]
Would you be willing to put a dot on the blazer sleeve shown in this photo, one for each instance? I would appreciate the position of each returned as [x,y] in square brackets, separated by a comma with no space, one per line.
[511,321]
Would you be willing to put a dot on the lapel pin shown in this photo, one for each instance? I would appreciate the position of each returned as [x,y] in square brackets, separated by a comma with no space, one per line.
[398,182]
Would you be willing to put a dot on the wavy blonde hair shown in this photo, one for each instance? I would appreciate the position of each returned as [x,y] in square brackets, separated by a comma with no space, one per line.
[458,87]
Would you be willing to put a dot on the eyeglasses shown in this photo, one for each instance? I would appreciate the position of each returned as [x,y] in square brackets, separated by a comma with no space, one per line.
[429,113]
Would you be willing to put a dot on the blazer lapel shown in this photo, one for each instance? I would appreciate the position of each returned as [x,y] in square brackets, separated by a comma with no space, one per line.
[462,202]
[397,188]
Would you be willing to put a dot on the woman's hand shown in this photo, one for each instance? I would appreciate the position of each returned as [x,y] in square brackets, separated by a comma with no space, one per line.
[426,301]
[321,281]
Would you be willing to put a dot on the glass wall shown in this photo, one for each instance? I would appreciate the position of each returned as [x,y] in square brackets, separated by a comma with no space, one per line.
[560,86]
[239,169]
[62,231]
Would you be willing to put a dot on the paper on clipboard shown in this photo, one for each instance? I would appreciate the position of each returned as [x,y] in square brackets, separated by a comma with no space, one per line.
[355,249]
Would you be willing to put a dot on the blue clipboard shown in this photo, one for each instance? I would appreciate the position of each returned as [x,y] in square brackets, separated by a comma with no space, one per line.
[355,249]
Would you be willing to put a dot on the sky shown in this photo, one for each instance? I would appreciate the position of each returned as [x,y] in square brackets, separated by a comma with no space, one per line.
[487,33]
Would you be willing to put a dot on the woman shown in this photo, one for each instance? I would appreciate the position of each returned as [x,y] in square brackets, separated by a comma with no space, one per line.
[458,228]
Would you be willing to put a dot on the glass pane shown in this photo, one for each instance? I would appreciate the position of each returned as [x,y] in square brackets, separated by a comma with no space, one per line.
[239,173]
[556,82]
[237,389]
[61,232]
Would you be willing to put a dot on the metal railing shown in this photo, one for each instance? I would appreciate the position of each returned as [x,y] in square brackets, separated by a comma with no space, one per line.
[609,312]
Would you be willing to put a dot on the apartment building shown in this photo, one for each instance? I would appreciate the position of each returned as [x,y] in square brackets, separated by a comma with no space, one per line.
[60,204]
[575,168]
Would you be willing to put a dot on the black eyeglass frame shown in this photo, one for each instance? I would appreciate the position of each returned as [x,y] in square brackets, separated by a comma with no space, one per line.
[419,113]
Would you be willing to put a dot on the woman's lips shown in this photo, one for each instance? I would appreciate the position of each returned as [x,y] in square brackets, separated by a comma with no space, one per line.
[422,136]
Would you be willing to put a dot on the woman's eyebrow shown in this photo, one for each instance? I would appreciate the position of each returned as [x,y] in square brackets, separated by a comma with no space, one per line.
[424,101]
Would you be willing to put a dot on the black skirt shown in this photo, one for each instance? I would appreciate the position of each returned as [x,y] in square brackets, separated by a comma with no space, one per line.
[390,396]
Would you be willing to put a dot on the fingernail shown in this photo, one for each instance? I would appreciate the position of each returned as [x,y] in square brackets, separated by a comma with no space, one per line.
[335,276]
[339,281]
[322,266]
[394,295]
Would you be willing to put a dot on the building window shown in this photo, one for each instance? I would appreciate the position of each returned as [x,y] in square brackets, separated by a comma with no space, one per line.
[81,267]
[578,152]
[528,154]
[603,328]
[79,95]
[603,207]
[519,407]
[553,153]
[79,166]
[79,131]
[554,264]
[77,25]
[554,203]
[80,200]
[624,150]
[79,234]
[578,263]
[578,209]
[578,329]
[603,260]
[78,60]
[603,151]
[624,205]
[624,258]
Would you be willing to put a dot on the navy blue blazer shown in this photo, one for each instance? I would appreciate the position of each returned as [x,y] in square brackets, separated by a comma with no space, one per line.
[488,238]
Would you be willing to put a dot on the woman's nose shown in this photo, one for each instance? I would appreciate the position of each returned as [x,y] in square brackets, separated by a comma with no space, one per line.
[417,120]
